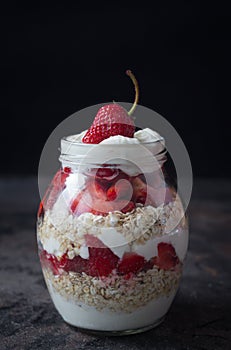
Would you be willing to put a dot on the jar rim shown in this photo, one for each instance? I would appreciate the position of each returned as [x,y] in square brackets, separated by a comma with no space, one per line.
[77,153]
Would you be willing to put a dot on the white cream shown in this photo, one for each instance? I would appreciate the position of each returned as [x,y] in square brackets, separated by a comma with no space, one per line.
[77,137]
[119,139]
[84,252]
[52,246]
[134,155]
[114,240]
[83,316]
[178,239]
[148,135]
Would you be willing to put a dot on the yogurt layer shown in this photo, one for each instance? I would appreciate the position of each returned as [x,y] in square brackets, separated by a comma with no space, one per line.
[83,316]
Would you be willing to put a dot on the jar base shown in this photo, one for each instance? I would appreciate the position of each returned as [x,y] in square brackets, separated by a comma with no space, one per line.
[119,333]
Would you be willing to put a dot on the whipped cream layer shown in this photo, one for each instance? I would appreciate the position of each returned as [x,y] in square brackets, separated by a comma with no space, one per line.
[136,155]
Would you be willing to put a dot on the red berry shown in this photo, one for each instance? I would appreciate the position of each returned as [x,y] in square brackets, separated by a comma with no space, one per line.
[129,207]
[149,264]
[119,190]
[145,194]
[131,262]
[49,261]
[56,186]
[167,257]
[139,190]
[40,210]
[102,261]
[98,190]
[92,241]
[67,170]
[121,176]
[111,120]
[77,264]
[107,173]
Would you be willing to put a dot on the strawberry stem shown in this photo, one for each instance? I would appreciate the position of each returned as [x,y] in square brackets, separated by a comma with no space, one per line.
[131,75]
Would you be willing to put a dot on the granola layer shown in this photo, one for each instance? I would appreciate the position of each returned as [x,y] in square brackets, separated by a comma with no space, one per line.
[115,293]
[67,231]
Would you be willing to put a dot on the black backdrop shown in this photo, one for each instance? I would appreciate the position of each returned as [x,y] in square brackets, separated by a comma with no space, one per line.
[62,58]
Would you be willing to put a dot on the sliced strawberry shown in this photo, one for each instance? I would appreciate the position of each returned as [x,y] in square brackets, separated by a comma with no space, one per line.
[77,264]
[121,176]
[167,258]
[129,207]
[40,210]
[145,194]
[139,190]
[102,261]
[67,170]
[97,190]
[79,205]
[92,241]
[60,178]
[56,186]
[49,261]
[120,190]
[106,173]
[89,200]
[131,262]
[149,264]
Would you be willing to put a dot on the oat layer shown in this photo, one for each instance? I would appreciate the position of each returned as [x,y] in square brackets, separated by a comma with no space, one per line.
[137,226]
[115,293]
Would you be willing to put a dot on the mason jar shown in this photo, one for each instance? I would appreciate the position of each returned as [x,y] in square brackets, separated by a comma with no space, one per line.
[112,236]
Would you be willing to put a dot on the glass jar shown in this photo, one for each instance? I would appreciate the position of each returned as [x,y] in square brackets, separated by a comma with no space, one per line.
[112,237]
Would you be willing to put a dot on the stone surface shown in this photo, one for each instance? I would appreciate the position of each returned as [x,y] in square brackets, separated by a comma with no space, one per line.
[200,317]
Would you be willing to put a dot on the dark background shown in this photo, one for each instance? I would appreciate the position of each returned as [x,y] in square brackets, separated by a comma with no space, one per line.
[62,58]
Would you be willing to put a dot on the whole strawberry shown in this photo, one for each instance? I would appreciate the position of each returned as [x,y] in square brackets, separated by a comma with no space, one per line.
[112,120]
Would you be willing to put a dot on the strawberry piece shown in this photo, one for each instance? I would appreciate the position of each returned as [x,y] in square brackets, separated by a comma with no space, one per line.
[79,205]
[40,210]
[167,258]
[106,173]
[67,170]
[121,176]
[75,203]
[90,199]
[56,186]
[110,120]
[131,262]
[77,264]
[103,175]
[145,194]
[139,190]
[49,261]
[129,207]
[119,190]
[98,190]
[92,241]
[149,264]
[101,261]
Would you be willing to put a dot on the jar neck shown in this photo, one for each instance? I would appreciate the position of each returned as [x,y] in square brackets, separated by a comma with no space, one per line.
[146,156]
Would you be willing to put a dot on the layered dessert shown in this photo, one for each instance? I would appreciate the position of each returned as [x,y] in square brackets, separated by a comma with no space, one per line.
[112,235]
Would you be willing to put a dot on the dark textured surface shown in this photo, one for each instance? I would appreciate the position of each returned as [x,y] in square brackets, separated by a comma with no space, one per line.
[200,317]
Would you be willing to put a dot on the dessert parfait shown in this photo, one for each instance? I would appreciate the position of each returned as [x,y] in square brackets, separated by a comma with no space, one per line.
[112,233]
